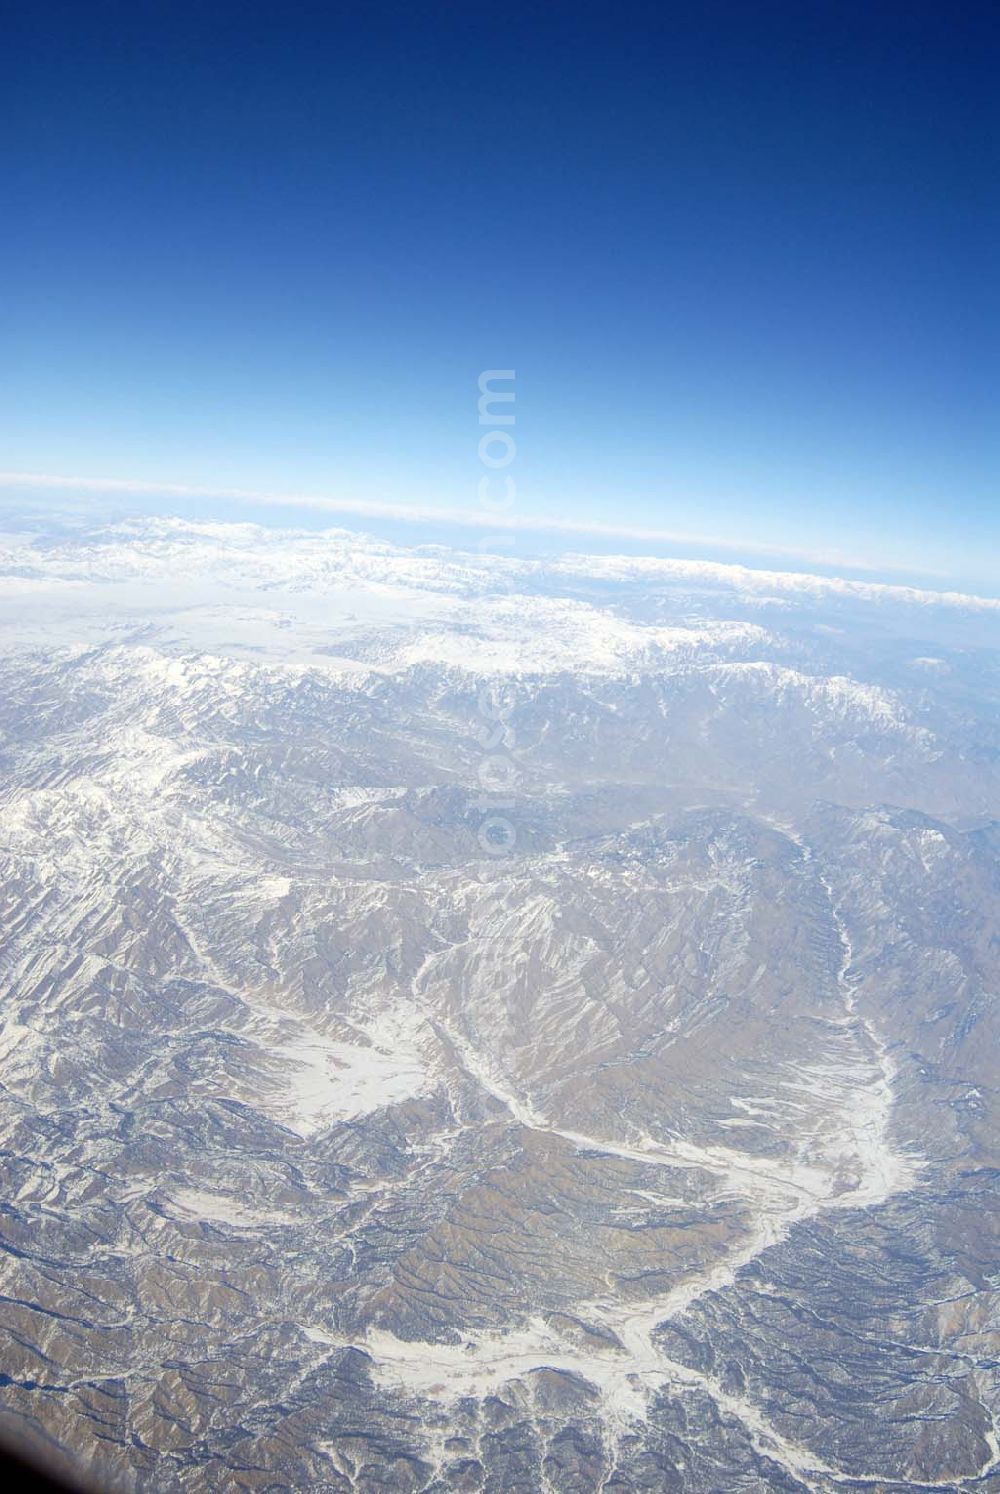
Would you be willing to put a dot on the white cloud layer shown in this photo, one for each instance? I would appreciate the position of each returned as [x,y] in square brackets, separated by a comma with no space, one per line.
[427,514]
[253,556]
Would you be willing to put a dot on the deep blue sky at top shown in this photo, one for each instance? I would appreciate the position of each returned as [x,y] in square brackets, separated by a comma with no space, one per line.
[742,256]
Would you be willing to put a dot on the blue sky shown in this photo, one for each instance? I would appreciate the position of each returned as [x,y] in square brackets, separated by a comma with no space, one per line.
[742,256]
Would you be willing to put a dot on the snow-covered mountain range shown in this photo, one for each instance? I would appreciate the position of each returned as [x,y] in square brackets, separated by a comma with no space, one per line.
[478,1022]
